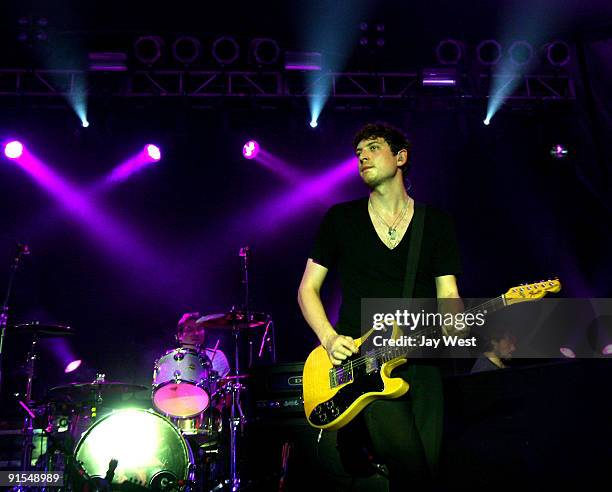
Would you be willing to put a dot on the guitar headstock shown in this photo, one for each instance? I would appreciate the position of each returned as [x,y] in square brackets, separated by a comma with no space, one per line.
[532,292]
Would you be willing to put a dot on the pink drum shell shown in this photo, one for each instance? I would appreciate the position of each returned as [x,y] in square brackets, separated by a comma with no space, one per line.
[177,383]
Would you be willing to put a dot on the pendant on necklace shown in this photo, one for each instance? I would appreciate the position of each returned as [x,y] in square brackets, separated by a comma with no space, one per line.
[392,233]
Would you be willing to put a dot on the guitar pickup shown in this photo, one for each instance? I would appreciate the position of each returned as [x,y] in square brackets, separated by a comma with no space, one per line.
[341,375]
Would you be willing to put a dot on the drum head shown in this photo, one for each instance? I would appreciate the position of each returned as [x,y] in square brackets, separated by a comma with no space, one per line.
[146,445]
[181,399]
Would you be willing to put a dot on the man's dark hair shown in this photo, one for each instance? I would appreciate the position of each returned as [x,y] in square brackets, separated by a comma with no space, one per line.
[393,136]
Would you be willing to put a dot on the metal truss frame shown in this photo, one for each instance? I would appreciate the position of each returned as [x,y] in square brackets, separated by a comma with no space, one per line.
[266,84]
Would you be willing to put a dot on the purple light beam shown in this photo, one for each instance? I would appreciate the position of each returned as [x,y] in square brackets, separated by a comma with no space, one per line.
[115,238]
[279,167]
[298,201]
[149,155]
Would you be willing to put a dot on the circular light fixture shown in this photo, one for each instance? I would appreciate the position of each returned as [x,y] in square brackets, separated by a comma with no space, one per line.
[521,53]
[449,52]
[186,49]
[153,152]
[148,49]
[250,149]
[265,51]
[225,50]
[558,151]
[13,150]
[73,366]
[567,352]
[489,52]
[558,53]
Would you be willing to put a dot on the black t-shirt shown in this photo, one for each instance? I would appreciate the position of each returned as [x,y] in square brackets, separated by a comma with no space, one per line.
[348,241]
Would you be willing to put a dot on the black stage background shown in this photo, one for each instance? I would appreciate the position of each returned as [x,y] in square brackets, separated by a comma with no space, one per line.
[521,215]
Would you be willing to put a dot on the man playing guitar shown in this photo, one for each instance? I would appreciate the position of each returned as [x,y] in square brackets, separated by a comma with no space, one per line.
[367,242]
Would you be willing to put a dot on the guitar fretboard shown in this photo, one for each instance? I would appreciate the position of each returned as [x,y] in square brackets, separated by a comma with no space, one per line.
[376,358]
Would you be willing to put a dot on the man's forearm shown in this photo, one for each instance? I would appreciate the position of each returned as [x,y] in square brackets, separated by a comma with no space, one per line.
[452,305]
[314,314]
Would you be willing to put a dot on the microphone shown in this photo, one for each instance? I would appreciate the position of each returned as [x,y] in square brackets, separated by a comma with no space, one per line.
[23,249]
[245,252]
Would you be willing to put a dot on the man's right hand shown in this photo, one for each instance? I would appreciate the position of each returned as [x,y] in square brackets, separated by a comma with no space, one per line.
[339,347]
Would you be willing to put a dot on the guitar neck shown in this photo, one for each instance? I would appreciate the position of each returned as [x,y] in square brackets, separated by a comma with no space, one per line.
[387,354]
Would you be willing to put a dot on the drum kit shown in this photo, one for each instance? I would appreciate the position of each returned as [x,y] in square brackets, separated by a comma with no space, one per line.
[184,432]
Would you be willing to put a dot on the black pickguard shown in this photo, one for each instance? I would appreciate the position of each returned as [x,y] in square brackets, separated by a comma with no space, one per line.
[326,412]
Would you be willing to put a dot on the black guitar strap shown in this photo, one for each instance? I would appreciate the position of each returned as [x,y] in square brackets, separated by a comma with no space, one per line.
[414,249]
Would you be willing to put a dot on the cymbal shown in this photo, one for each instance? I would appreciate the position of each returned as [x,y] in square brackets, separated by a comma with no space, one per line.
[233,320]
[46,330]
[83,391]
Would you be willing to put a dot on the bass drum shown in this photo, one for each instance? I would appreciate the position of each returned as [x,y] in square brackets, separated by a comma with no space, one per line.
[148,448]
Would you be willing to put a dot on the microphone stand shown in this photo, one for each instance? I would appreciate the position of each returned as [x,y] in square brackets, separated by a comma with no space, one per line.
[236,415]
[22,249]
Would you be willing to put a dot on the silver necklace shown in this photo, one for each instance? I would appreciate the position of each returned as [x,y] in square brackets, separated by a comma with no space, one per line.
[391,229]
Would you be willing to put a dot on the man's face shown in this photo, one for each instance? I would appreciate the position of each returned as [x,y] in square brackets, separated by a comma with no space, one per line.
[377,163]
[505,347]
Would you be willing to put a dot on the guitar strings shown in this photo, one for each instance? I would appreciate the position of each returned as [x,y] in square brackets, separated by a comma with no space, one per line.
[379,352]
[374,355]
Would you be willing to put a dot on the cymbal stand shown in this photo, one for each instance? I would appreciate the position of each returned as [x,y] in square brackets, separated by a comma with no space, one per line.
[28,423]
[235,385]
[22,249]
[237,418]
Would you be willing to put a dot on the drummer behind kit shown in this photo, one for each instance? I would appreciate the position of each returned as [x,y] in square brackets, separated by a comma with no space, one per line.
[193,438]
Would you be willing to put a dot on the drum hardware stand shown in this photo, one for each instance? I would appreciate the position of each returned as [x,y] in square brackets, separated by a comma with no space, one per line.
[22,250]
[234,384]
[28,423]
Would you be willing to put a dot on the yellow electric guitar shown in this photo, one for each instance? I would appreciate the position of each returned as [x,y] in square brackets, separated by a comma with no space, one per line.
[334,395]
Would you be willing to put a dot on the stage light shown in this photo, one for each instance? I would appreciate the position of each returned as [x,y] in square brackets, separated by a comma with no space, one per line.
[265,51]
[13,150]
[225,50]
[250,149]
[558,53]
[487,121]
[567,352]
[107,61]
[148,49]
[489,52]
[439,77]
[607,350]
[303,60]
[314,124]
[558,151]
[186,49]
[520,53]
[73,366]
[449,52]
[85,123]
[153,152]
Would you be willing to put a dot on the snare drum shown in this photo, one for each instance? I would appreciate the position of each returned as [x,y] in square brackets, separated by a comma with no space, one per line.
[180,383]
[207,424]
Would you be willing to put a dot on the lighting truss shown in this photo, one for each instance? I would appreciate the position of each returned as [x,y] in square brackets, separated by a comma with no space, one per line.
[265,84]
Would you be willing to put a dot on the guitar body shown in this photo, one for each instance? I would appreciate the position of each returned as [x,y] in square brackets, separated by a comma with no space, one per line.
[334,395]
[332,401]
